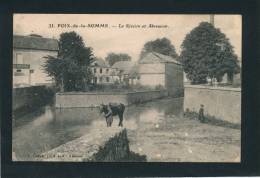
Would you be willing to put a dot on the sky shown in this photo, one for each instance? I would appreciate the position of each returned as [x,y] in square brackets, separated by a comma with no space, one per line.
[120,39]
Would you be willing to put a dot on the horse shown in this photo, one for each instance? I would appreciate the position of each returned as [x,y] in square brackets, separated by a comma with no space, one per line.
[111,110]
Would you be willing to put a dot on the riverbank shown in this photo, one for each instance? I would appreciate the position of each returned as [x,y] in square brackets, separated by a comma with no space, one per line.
[177,139]
[211,120]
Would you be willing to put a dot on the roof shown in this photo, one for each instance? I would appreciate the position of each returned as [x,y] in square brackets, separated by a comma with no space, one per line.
[154,57]
[98,62]
[125,66]
[35,42]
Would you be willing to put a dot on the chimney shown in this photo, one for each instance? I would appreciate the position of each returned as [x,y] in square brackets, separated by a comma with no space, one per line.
[211,19]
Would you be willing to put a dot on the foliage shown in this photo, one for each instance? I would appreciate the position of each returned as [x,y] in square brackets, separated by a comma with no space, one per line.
[70,68]
[117,149]
[162,46]
[112,58]
[207,53]
[34,97]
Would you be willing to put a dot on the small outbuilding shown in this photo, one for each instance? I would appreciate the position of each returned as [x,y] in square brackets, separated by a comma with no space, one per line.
[158,70]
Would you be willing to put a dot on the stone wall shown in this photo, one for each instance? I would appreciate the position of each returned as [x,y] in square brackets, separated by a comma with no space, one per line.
[222,103]
[139,97]
[92,99]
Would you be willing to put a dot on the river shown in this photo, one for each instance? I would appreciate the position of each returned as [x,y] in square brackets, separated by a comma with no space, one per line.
[49,127]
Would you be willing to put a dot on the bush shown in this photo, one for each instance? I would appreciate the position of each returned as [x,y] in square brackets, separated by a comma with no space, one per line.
[117,149]
[33,97]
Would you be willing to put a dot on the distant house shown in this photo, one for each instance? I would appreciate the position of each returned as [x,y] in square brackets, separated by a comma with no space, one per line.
[160,70]
[125,69]
[103,73]
[28,58]
[134,76]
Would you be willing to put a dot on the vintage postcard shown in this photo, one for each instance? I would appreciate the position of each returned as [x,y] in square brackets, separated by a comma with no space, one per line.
[126,87]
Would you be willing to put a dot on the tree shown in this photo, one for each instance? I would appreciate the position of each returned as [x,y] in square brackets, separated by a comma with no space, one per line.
[162,46]
[207,53]
[70,68]
[112,58]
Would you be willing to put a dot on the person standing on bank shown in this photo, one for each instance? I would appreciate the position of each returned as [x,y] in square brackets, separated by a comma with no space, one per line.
[201,114]
[109,116]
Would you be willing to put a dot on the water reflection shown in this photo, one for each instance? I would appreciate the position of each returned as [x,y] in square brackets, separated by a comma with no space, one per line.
[37,133]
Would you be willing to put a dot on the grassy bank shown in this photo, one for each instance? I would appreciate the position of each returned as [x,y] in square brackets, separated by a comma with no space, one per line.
[211,120]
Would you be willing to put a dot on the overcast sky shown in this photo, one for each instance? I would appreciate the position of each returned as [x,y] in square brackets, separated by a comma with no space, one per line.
[126,40]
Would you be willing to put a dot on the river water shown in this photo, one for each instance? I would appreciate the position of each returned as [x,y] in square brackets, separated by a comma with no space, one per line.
[47,128]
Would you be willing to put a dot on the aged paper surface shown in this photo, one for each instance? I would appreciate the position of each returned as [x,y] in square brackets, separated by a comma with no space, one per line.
[127,87]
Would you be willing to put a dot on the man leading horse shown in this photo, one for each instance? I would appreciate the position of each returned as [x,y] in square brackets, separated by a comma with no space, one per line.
[113,109]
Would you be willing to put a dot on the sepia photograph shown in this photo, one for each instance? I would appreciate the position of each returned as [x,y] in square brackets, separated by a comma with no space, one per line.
[127,87]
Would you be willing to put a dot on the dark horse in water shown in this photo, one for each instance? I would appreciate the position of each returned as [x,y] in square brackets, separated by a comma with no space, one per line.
[113,109]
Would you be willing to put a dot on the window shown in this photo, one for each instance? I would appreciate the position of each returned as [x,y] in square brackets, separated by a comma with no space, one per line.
[18,70]
[95,70]
[19,58]
[100,79]
[107,79]
[101,70]
[107,70]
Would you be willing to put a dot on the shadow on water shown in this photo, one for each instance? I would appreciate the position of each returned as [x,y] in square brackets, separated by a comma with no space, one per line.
[24,119]
[48,128]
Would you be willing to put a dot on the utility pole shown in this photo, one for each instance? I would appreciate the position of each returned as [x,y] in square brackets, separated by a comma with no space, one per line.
[211,19]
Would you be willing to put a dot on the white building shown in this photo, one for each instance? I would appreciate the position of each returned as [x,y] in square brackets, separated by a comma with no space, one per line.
[103,73]
[28,58]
